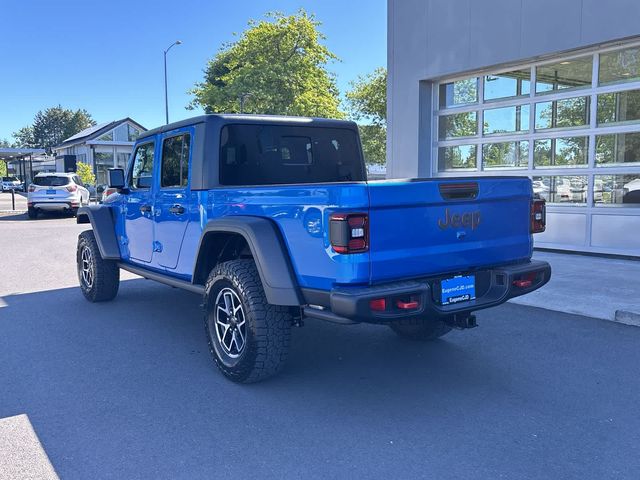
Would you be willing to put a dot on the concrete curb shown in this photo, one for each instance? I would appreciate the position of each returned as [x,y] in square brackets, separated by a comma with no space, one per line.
[628,318]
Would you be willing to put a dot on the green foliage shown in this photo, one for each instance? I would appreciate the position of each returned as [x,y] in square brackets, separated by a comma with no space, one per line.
[4,143]
[374,143]
[367,98]
[51,126]
[85,172]
[278,65]
[367,101]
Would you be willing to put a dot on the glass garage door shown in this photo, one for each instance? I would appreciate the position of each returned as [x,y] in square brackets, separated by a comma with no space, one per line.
[572,124]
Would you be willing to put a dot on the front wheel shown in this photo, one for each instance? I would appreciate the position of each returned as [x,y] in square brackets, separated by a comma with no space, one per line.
[99,279]
[248,337]
[422,329]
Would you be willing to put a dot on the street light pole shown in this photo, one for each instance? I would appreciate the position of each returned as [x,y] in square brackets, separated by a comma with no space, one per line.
[166,96]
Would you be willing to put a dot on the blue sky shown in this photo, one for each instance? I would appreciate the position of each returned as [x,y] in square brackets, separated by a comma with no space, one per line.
[107,56]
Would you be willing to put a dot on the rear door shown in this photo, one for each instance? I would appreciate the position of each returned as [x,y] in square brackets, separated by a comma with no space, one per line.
[172,201]
[138,209]
[430,227]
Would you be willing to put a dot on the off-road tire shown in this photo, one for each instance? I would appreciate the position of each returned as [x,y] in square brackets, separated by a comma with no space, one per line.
[32,213]
[267,327]
[105,273]
[421,329]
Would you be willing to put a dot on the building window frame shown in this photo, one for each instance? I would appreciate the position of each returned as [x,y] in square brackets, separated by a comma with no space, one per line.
[590,130]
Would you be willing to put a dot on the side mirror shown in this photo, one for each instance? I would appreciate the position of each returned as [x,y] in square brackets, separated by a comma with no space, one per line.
[116,178]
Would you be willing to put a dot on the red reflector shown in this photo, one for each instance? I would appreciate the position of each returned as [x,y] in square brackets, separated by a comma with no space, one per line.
[522,283]
[378,305]
[407,305]
[356,244]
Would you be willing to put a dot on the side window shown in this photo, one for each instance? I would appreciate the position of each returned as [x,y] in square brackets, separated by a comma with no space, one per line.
[77,180]
[175,161]
[141,172]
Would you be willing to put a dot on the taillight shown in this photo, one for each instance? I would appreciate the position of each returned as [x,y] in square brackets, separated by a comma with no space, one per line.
[538,215]
[32,188]
[72,188]
[349,232]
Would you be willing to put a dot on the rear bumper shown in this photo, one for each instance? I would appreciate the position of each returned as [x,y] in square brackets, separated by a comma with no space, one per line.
[493,287]
[53,205]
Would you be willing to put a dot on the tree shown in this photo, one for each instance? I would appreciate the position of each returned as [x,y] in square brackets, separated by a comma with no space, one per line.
[367,101]
[51,126]
[4,143]
[277,66]
[85,172]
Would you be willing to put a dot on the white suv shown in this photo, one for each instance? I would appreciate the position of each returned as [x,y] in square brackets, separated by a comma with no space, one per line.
[56,191]
[11,183]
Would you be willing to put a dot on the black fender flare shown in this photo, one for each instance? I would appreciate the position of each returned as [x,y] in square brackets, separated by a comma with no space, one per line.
[101,219]
[269,252]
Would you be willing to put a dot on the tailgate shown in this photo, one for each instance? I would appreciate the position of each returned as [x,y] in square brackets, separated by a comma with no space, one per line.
[430,227]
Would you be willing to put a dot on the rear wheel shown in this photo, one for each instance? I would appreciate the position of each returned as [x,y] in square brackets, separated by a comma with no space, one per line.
[99,279]
[248,338]
[32,213]
[422,329]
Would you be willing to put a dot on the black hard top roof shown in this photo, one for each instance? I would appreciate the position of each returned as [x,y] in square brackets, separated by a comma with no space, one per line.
[228,118]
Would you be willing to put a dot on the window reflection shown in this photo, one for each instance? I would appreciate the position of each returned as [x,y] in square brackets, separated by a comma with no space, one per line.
[458,157]
[506,120]
[618,149]
[575,73]
[461,92]
[505,155]
[619,107]
[565,189]
[561,152]
[458,125]
[619,66]
[617,190]
[570,112]
[508,84]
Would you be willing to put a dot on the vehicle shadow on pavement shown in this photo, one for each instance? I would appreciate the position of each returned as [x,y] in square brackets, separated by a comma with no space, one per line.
[127,389]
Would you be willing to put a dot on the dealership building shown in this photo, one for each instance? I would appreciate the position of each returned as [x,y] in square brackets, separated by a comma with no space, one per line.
[543,88]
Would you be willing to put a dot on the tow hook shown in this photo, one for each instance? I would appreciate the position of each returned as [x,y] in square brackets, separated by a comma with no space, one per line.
[462,321]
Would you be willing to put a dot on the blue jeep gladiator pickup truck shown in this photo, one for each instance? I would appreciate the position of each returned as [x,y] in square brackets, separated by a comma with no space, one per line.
[272,220]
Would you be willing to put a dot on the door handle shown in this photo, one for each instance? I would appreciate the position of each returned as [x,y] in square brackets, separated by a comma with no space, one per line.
[145,208]
[177,209]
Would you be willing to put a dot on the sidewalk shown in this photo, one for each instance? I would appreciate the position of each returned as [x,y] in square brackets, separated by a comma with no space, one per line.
[6,205]
[597,287]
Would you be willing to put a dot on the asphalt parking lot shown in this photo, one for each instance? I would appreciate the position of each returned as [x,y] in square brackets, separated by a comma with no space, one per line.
[127,389]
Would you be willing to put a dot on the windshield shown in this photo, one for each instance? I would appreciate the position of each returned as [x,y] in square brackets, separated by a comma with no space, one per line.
[51,181]
[9,179]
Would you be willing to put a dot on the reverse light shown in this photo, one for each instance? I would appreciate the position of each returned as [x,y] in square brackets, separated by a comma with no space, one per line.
[538,215]
[349,232]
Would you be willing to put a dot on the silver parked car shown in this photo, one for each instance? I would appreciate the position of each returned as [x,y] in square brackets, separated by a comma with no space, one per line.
[11,183]
[56,192]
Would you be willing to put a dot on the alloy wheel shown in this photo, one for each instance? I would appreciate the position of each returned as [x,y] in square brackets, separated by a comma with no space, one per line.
[230,323]
[87,267]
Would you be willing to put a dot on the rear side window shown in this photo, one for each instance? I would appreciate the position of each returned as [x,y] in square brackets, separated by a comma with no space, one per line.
[51,181]
[275,154]
[141,173]
[175,161]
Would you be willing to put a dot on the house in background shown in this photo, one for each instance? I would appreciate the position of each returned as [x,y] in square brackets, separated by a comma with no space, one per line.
[102,146]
